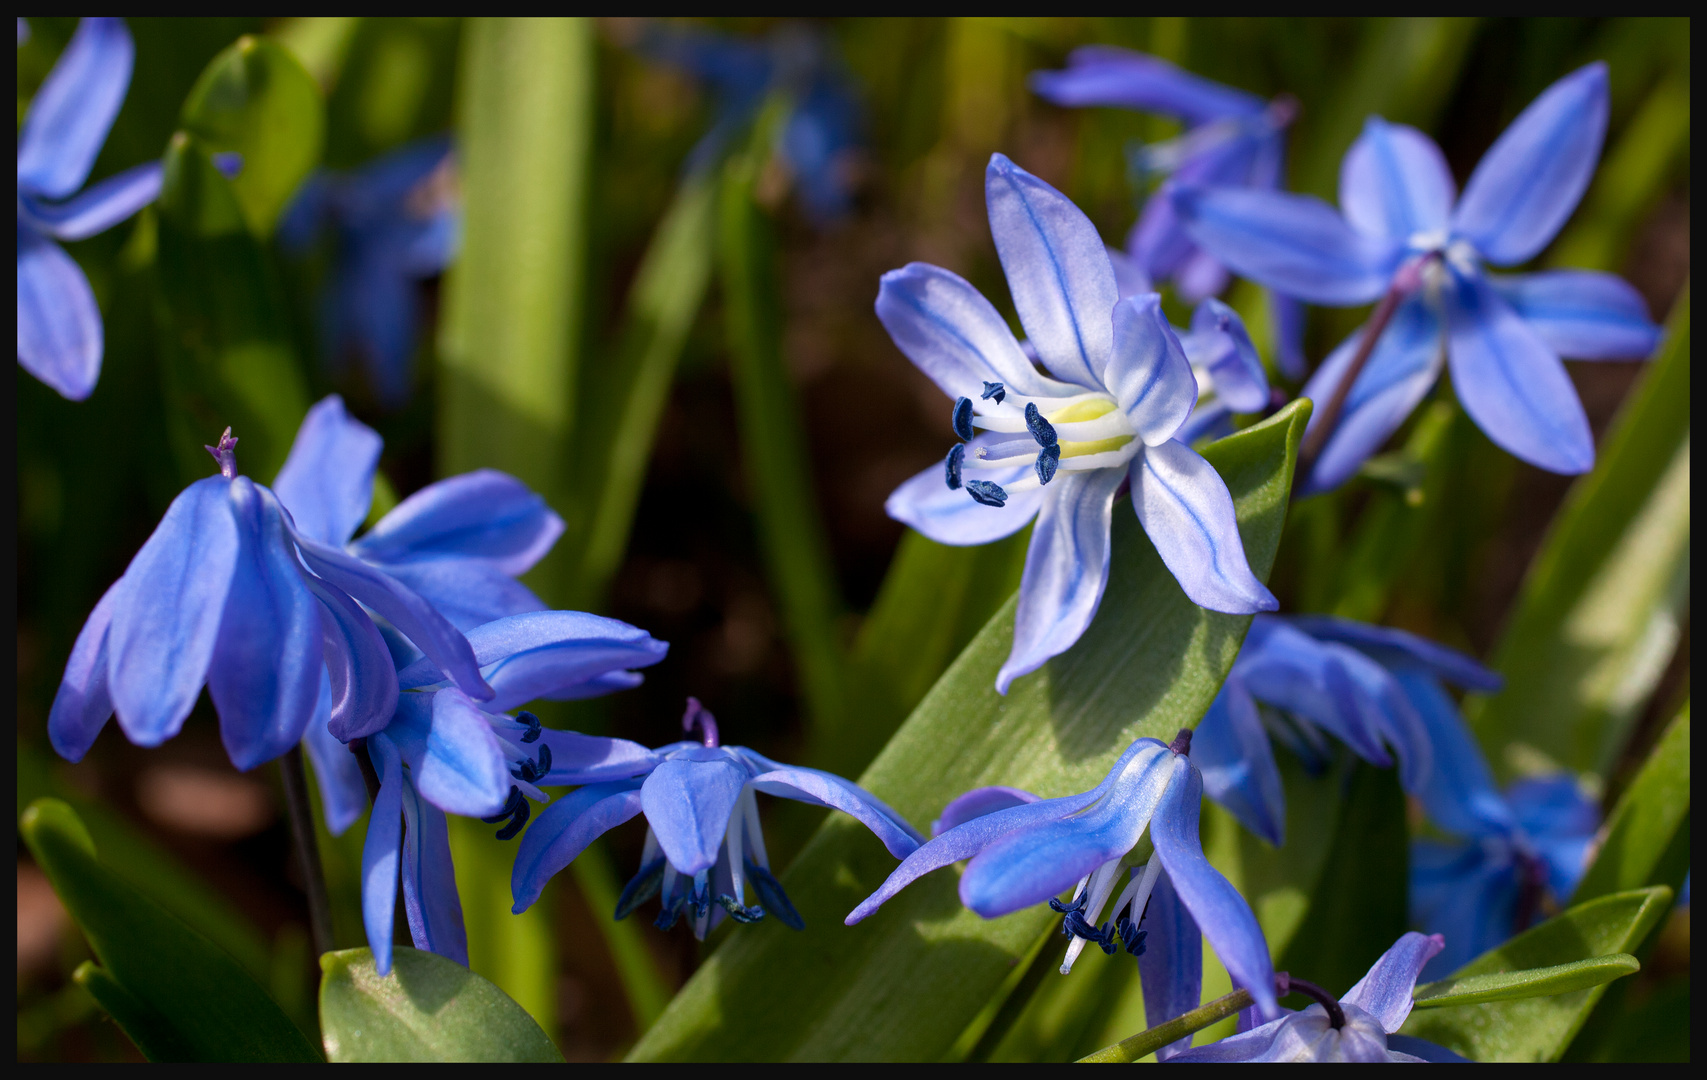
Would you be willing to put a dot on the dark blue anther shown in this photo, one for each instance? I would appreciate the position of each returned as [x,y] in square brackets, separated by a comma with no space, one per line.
[1041,430]
[961,418]
[772,897]
[1130,935]
[701,900]
[672,911]
[534,726]
[1047,462]
[995,390]
[516,808]
[952,465]
[737,912]
[640,888]
[986,492]
[530,771]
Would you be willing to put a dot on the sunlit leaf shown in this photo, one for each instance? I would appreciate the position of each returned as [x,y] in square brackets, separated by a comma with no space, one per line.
[1645,824]
[1535,982]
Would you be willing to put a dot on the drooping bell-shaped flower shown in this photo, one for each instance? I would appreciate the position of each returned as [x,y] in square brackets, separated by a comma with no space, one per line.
[703,844]
[1058,442]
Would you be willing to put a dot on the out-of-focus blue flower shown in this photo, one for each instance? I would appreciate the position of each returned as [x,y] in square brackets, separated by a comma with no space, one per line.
[396,222]
[59,325]
[703,844]
[1373,687]
[1361,1028]
[1025,850]
[1234,139]
[1401,220]
[444,752]
[1104,410]
[822,130]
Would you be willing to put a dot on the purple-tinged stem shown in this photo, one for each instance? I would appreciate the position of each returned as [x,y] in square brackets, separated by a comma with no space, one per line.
[1336,1015]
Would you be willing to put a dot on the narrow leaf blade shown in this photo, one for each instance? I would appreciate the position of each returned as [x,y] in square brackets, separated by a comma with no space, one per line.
[1534,982]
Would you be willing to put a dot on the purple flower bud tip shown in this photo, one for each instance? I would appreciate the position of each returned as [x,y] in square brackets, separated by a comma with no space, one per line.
[1182,742]
[698,715]
[226,454]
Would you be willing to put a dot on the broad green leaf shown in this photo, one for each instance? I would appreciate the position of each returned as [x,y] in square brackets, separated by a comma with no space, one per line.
[226,347]
[1652,812]
[1601,609]
[1539,1028]
[427,1009]
[257,99]
[906,982]
[514,951]
[1536,982]
[152,1033]
[206,1006]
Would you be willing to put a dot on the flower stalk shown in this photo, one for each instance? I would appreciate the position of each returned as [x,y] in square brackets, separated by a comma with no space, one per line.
[307,849]
[1148,1042]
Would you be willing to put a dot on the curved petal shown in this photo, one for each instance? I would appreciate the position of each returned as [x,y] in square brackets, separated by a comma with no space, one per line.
[563,830]
[1219,343]
[1188,514]
[688,803]
[343,794]
[467,592]
[1294,672]
[1399,373]
[953,334]
[1233,753]
[1513,385]
[1170,969]
[381,312]
[1158,243]
[1530,180]
[72,112]
[455,760]
[978,802]
[380,851]
[1066,570]
[1257,1044]
[1130,277]
[1397,649]
[59,326]
[826,789]
[592,759]
[1287,316]
[1552,805]
[1216,906]
[484,514]
[98,207]
[1058,271]
[265,674]
[327,481]
[1582,314]
[1385,993]
[1395,183]
[363,680]
[1149,374]
[430,900]
[1385,709]
[167,611]
[82,705]
[1107,75]
[951,516]
[1292,243]
[1422,1049]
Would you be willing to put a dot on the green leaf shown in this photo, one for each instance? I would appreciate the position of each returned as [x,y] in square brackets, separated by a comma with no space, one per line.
[1539,1028]
[905,983]
[1536,982]
[151,1032]
[1600,612]
[186,996]
[257,99]
[427,1009]
[1652,812]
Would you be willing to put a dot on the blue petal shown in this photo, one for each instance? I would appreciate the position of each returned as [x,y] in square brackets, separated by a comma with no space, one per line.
[947,516]
[456,761]
[1232,751]
[1257,1044]
[1216,906]
[688,801]
[1287,316]
[1385,992]
[1475,911]
[1405,364]
[820,788]
[953,334]
[1395,183]
[1058,271]
[1210,420]
[1066,570]
[380,852]
[83,705]
[382,312]
[484,514]
[1171,967]
[1292,243]
[1130,277]
[1028,866]
[563,830]
[1530,180]
[1106,75]
[1188,514]
[59,326]
[1397,648]
[467,592]
[1422,1048]
[1220,343]
[592,759]
[1385,708]
[1294,672]
[978,802]
[167,610]
[327,481]
[430,900]
[1582,314]
[265,674]
[1552,805]
[97,208]
[1158,243]
[1512,384]
[343,794]
[363,683]
[1148,373]
[1566,860]
[72,112]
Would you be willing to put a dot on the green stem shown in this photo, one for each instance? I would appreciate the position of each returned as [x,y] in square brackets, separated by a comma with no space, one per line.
[1148,1042]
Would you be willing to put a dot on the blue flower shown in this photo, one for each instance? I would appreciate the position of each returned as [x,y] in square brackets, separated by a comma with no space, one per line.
[703,844]
[444,752]
[1026,851]
[59,325]
[396,222]
[1370,686]
[1358,1027]
[821,133]
[1057,443]
[1404,229]
[1234,139]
